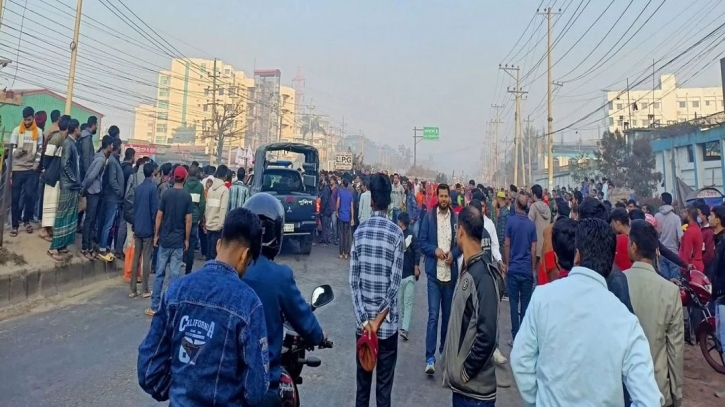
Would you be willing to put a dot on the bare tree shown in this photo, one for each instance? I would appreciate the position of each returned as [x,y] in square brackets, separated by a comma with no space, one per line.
[225,120]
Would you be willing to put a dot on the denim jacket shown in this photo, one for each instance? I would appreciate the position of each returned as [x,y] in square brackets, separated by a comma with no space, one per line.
[207,345]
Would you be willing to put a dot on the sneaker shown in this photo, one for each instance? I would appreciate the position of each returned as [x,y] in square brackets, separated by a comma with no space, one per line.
[499,358]
[150,312]
[430,368]
[404,334]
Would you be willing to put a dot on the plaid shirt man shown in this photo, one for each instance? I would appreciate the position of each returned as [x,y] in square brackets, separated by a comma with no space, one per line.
[238,195]
[376,268]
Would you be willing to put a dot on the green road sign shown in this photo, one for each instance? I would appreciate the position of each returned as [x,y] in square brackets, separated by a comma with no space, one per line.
[430,133]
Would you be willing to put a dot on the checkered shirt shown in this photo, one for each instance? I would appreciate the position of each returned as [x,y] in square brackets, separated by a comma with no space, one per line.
[376,268]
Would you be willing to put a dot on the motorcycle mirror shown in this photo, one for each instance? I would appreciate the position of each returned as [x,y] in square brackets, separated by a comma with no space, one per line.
[322,295]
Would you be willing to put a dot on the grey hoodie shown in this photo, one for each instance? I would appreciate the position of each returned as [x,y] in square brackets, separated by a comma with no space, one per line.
[669,225]
[94,175]
[540,213]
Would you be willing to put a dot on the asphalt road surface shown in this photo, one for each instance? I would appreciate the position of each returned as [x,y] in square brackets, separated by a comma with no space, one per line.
[83,352]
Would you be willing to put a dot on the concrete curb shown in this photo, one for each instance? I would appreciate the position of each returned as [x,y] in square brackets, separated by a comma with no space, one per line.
[27,285]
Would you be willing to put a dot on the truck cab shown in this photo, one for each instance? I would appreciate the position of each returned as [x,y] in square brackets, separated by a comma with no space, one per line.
[296,191]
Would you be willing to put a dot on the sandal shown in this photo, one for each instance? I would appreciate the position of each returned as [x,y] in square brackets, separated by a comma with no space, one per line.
[146,294]
[88,255]
[133,294]
[46,237]
[149,312]
[63,251]
[14,232]
[56,257]
[29,228]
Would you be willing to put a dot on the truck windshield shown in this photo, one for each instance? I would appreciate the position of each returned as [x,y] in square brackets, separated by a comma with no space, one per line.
[281,181]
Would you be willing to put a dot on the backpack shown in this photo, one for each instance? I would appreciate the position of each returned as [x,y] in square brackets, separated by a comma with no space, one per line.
[128,199]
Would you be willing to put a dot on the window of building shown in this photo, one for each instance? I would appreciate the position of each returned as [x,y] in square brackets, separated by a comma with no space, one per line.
[206,107]
[229,107]
[711,151]
[682,104]
[162,116]
[645,105]
[690,154]
[221,91]
[164,93]
[657,105]
[721,103]
[696,104]
[163,104]
[707,103]
[206,92]
[611,105]
[232,91]
[161,128]
[611,121]
[150,124]
[227,71]
[164,80]
[620,106]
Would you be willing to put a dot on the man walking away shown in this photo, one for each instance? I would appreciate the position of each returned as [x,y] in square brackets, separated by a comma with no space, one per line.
[669,227]
[411,206]
[198,203]
[344,212]
[437,242]
[469,369]
[216,210]
[540,214]
[376,270]
[91,189]
[605,342]
[656,303]
[520,259]
[145,207]
[334,191]
[51,176]
[238,193]
[66,219]
[411,272]
[112,194]
[326,211]
[172,230]
[25,138]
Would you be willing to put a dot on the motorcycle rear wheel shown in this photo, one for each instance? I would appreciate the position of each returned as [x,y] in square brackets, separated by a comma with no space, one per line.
[712,350]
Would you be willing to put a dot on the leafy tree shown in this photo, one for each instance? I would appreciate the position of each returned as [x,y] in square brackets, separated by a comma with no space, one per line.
[611,157]
[441,178]
[641,174]
[311,125]
[580,167]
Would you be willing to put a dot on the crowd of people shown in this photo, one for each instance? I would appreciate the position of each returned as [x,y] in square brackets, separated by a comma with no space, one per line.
[577,269]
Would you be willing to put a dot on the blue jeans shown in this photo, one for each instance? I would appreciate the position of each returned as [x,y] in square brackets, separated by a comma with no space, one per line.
[189,255]
[440,296]
[668,269]
[109,216]
[172,257]
[720,324]
[520,287]
[415,227]
[396,212]
[463,401]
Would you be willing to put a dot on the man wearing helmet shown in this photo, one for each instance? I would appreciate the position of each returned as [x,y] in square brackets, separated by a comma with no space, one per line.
[276,287]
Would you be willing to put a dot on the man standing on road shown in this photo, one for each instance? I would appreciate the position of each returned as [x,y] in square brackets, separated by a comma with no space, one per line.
[326,210]
[364,208]
[437,242]
[669,227]
[112,194]
[605,342]
[540,214]
[397,198]
[656,303]
[173,227]
[207,345]
[334,191]
[145,207]
[376,269]
[198,203]
[66,219]
[51,174]
[520,259]
[217,200]
[502,217]
[26,138]
[411,272]
[238,193]
[91,189]
[469,369]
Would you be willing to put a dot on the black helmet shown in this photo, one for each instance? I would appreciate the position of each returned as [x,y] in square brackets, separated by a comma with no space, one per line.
[271,215]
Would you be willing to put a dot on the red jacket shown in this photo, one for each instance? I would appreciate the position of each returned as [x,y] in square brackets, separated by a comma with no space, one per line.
[691,246]
[621,255]
[708,250]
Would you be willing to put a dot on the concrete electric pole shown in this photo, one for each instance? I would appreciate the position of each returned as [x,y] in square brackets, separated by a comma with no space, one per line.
[212,145]
[518,94]
[550,97]
[496,158]
[73,57]
[529,136]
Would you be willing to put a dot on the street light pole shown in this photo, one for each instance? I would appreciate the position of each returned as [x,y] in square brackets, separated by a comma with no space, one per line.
[416,140]
[73,58]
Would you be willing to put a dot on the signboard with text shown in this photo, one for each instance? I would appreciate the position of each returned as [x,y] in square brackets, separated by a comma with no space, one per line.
[430,133]
[142,150]
[343,161]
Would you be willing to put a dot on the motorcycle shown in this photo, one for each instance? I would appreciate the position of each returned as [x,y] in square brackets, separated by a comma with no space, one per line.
[294,351]
[696,294]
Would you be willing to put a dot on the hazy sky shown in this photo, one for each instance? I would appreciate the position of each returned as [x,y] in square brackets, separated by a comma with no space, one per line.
[385,65]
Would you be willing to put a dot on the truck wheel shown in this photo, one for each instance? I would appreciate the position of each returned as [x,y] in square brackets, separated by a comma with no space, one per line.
[306,245]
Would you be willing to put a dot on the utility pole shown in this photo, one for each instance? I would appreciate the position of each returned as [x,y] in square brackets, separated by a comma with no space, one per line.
[495,122]
[416,140]
[549,94]
[528,147]
[73,57]
[212,146]
[518,94]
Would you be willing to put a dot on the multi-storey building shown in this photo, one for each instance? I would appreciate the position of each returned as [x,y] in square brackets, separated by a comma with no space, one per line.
[662,105]
[187,94]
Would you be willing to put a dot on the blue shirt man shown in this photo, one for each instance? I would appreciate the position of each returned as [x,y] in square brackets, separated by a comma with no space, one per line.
[520,257]
[207,345]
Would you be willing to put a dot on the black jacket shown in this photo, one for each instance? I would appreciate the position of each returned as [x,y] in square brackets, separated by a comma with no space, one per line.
[716,271]
[85,151]
[112,189]
[411,256]
[127,172]
[325,201]
[69,166]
